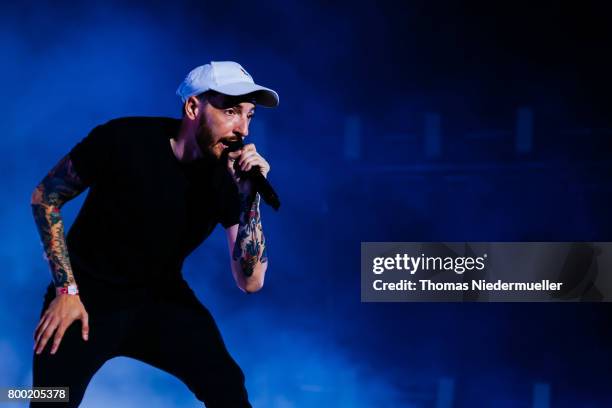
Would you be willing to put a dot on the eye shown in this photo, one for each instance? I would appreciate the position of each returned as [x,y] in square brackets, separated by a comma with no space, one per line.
[250,116]
[230,112]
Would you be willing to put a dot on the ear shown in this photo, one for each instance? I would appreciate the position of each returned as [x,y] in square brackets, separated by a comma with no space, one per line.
[193,106]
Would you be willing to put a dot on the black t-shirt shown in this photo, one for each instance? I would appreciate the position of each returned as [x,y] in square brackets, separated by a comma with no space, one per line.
[145,210]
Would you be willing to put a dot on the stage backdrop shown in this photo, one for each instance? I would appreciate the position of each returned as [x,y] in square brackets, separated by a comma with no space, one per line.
[425,121]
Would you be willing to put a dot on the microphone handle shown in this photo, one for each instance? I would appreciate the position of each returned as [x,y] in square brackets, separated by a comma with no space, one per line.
[263,187]
[261,184]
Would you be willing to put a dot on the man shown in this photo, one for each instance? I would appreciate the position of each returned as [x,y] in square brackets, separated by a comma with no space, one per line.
[157,188]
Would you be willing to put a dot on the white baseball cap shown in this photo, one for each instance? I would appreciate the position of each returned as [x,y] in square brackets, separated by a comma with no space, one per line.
[228,78]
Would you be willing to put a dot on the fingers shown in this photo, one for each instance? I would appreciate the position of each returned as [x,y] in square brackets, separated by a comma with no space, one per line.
[46,335]
[249,148]
[59,334]
[245,156]
[234,155]
[246,148]
[42,321]
[231,159]
[249,160]
[85,329]
[49,325]
[42,326]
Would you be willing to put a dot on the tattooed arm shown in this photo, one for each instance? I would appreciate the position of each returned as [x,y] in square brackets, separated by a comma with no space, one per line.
[59,186]
[246,240]
[247,245]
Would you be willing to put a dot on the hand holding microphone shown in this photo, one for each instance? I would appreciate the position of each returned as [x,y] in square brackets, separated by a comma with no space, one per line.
[251,166]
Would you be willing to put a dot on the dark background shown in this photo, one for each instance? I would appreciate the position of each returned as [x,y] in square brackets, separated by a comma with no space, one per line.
[411,121]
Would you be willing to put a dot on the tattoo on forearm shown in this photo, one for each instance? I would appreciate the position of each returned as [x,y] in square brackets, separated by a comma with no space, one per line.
[59,186]
[250,247]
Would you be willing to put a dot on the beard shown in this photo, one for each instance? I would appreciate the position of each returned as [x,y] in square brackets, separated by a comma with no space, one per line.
[206,141]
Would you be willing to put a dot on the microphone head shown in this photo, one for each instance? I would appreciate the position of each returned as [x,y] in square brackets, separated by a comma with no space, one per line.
[233,145]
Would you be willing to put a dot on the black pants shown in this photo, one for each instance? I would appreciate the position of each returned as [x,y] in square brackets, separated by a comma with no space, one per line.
[174,333]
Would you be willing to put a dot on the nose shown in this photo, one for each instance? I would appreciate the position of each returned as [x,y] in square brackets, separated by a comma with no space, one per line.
[242,127]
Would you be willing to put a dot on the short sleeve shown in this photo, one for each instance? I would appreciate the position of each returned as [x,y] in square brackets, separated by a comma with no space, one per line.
[230,208]
[92,154]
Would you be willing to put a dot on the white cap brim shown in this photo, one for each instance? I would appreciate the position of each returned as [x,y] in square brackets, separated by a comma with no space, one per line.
[264,96]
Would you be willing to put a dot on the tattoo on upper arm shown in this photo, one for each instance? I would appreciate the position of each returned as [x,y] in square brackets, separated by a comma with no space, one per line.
[250,247]
[60,185]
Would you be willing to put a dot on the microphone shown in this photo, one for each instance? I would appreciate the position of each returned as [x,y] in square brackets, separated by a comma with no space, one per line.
[260,183]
